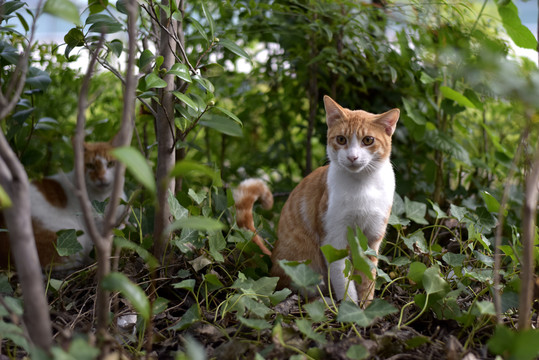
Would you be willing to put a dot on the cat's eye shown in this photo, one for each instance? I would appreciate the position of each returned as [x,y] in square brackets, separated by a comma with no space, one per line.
[341,140]
[368,140]
[111,164]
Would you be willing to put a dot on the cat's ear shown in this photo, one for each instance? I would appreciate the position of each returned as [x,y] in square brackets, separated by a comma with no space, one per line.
[334,111]
[389,120]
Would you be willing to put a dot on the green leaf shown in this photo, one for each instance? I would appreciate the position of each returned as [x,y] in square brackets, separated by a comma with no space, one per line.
[217,243]
[188,284]
[417,243]
[102,23]
[233,47]
[440,214]
[415,211]
[485,307]
[191,316]
[182,71]
[38,79]
[358,244]
[229,114]
[97,6]
[316,310]
[453,259]
[116,46]
[351,313]
[74,37]
[490,201]
[64,9]
[379,308]
[154,82]
[456,96]
[302,275]
[148,258]
[116,281]
[357,352]
[257,324]
[212,70]
[137,166]
[213,282]
[67,243]
[199,28]
[416,271]
[176,209]
[191,168]
[331,254]
[433,282]
[223,125]
[10,7]
[279,296]
[306,328]
[458,212]
[209,18]
[196,223]
[186,100]
[520,34]
[145,59]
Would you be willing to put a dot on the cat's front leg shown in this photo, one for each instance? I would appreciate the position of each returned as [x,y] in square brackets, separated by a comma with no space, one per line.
[339,282]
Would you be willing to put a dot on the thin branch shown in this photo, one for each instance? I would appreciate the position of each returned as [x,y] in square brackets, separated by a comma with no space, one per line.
[125,134]
[78,150]
[173,35]
[499,229]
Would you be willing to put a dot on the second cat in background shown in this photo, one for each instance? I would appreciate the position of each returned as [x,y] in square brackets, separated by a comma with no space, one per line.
[355,190]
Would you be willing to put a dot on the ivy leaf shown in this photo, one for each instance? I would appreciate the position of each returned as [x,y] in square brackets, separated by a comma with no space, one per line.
[316,310]
[302,275]
[331,254]
[433,282]
[196,223]
[257,324]
[351,313]
[415,211]
[416,271]
[306,328]
[67,243]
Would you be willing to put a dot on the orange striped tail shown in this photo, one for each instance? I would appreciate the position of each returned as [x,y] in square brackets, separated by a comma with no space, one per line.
[245,195]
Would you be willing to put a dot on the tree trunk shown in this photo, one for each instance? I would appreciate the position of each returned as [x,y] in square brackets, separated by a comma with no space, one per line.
[14,180]
[166,154]
[528,236]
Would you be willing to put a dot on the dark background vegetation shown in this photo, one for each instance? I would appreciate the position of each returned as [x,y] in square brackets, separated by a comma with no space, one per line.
[250,88]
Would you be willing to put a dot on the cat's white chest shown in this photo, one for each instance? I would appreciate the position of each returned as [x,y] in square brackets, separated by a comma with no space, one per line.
[362,201]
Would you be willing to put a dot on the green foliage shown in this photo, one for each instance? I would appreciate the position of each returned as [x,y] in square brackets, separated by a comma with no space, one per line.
[242,98]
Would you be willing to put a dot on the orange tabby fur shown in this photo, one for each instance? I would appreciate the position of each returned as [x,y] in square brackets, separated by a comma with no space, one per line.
[55,207]
[356,189]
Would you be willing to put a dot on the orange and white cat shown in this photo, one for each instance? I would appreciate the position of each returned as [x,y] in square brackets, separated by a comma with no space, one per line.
[55,207]
[355,190]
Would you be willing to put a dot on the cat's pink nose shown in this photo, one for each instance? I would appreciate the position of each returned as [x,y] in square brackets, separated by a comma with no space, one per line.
[352,158]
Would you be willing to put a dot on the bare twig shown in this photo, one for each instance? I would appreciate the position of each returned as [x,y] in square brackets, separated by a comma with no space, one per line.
[499,229]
